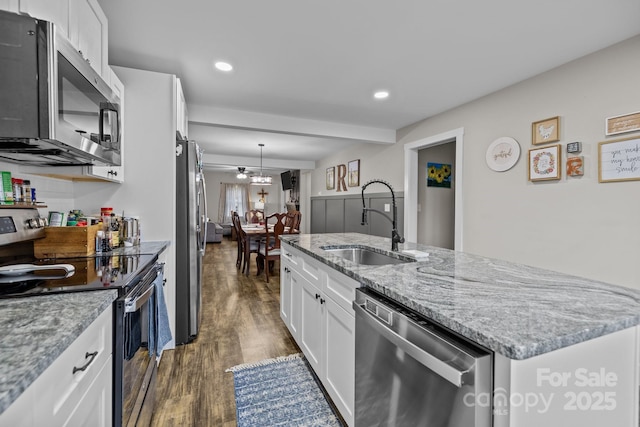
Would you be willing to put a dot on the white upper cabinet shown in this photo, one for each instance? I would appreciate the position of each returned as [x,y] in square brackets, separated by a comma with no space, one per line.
[82,21]
[181,111]
[112,173]
[88,32]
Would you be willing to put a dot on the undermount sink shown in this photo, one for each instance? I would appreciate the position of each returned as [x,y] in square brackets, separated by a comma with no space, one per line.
[365,256]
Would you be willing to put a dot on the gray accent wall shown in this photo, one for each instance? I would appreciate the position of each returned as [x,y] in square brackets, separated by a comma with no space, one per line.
[343,214]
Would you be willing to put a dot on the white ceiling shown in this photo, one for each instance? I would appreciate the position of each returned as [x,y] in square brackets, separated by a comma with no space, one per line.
[305,71]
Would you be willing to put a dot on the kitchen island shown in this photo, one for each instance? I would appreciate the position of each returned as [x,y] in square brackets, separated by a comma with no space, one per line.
[565,348]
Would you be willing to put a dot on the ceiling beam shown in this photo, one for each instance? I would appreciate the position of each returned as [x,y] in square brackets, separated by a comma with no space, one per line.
[221,117]
[213,160]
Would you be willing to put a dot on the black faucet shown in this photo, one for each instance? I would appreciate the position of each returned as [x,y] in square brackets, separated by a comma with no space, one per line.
[395,236]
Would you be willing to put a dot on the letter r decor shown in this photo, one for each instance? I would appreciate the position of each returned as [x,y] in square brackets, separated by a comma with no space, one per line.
[342,174]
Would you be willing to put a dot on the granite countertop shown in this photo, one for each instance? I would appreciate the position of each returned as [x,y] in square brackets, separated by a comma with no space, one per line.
[516,310]
[36,330]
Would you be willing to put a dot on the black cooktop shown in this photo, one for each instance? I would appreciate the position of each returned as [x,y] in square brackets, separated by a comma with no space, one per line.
[91,273]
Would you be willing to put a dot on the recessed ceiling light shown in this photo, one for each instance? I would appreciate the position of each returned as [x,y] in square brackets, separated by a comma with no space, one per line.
[381,94]
[223,66]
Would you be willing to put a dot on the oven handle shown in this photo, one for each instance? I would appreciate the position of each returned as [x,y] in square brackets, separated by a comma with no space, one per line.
[440,367]
[131,306]
[137,300]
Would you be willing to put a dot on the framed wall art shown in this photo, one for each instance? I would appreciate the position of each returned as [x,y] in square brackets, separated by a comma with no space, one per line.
[544,163]
[438,175]
[353,173]
[545,131]
[331,178]
[619,160]
[622,124]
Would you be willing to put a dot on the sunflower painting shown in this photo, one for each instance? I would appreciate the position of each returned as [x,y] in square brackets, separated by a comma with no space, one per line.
[438,175]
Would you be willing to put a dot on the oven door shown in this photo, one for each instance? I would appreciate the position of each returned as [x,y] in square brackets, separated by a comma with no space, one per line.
[135,366]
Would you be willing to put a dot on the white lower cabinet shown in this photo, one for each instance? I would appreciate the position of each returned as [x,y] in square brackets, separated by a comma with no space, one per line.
[320,318]
[67,395]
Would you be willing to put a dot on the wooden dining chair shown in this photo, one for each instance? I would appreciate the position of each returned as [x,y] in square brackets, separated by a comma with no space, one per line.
[235,219]
[292,224]
[269,248]
[253,216]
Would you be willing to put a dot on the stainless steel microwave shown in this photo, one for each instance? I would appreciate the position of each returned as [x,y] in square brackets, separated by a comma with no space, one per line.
[55,109]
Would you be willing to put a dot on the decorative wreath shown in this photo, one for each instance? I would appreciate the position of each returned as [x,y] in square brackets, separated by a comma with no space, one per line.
[552,163]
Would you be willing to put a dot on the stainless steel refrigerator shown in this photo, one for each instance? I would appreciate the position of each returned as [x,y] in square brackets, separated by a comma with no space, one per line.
[191,218]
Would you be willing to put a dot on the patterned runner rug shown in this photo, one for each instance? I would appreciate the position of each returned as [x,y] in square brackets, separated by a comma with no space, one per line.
[280,392]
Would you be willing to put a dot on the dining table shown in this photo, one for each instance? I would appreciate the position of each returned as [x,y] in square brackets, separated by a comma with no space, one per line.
[253,231]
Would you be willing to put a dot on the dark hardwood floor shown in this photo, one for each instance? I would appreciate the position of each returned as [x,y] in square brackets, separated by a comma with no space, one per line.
[240,323]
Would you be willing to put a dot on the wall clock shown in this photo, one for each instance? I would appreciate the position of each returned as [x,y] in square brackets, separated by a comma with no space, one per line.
[503,154]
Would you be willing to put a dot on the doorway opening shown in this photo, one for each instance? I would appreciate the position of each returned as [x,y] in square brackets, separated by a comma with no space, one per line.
[412,182]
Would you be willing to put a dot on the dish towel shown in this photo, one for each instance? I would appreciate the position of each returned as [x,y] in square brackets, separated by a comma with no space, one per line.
[159,329]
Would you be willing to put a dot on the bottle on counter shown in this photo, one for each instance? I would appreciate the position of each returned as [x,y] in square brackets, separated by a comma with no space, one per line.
[18,195]
[99,241]
[26,191]
[114,231]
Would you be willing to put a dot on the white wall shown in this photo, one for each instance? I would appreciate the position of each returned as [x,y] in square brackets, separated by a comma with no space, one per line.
[149,186]
[575,225]
[436,216]
[274,200]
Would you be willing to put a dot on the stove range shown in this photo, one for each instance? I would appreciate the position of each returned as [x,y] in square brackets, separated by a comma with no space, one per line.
[135,325]
[88,274]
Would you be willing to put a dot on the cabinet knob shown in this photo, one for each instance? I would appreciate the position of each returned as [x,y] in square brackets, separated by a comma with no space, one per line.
[286,270]
[317,296]
[321,300]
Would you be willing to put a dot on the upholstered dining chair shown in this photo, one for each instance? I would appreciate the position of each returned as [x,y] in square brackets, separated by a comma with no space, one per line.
[253,216]
[269,248]
[292,224]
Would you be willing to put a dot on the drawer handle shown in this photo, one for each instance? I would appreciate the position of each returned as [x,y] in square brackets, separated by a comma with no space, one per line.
[86,356]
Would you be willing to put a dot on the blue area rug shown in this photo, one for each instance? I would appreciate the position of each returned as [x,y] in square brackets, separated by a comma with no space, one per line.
[280,392]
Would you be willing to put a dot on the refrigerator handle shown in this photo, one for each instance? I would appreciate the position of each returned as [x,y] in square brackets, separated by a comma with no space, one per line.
[204,219]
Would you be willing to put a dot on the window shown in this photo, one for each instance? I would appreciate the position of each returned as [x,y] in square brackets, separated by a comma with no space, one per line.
[234,197]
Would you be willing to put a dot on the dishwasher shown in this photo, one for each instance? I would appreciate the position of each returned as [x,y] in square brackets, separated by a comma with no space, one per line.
[412,372]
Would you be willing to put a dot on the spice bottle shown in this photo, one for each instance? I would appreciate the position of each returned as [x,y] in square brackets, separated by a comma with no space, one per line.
[18,196]
[26,191]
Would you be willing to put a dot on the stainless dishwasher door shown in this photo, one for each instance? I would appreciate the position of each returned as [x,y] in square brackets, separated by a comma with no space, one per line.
[410,372]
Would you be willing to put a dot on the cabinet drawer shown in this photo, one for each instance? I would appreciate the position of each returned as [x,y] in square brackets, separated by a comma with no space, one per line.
[59,388]
[341,289]
[291,255]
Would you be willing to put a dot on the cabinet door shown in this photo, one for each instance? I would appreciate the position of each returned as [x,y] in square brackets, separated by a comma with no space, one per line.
[311,324]
[95,408]
[181,111]
[56,11]
[295,315]
[285,291]
[60,389]
[10,5]
[113,173]
[88,33]
[339,358]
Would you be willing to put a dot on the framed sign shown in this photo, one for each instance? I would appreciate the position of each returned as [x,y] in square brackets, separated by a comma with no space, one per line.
[619,160]
[622,124]
[353,173]
[544,163]
[331,178]
[545,131]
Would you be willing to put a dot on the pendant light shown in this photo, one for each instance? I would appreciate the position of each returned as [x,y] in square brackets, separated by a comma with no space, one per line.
[260,179]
